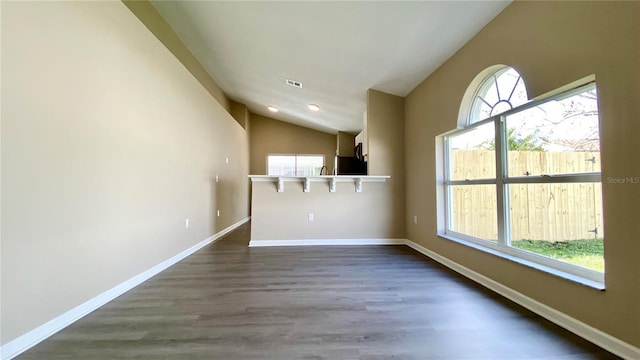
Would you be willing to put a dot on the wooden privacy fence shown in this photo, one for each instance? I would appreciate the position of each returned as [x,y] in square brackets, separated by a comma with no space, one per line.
[552,212]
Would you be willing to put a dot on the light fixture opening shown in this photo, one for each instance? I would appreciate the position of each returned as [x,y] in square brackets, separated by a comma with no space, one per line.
[272,108]
[314,107]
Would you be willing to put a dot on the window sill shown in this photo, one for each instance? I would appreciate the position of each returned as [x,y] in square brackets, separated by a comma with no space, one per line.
[547,269]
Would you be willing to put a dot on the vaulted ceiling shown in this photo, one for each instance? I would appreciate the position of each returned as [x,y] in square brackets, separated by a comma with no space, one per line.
[337,50]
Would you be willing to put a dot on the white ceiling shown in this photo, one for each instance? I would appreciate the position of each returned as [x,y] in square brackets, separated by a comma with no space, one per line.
[337,50]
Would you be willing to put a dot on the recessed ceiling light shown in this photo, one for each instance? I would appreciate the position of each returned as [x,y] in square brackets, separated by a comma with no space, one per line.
[272,108]
[314,107]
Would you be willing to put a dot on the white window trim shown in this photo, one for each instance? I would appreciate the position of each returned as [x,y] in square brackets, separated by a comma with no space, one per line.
[503,247]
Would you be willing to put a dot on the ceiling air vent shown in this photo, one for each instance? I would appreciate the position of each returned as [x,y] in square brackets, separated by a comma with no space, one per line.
[294,83]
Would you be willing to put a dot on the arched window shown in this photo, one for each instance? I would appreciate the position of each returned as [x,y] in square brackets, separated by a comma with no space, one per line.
[501,91]
[522,178]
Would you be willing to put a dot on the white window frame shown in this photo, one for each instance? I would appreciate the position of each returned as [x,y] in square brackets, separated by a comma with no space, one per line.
[295,161]
[503,245]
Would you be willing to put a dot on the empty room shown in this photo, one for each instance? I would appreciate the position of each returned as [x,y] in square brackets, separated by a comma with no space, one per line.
[320,180]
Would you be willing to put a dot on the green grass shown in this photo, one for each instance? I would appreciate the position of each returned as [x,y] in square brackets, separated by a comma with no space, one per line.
[586,253]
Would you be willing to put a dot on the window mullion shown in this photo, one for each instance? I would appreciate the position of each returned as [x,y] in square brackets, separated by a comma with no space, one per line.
[501,188]
[563,178]
[471,182]
[447,188]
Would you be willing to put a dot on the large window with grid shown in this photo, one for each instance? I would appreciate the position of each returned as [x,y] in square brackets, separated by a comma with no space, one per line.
[523,177]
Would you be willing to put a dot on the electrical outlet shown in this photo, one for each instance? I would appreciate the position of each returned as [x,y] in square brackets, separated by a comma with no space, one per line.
[217,179]
[186,223]
[415,219]
[218,213]
[310,217]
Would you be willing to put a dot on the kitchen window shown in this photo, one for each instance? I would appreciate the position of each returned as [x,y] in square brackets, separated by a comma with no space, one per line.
[294,165]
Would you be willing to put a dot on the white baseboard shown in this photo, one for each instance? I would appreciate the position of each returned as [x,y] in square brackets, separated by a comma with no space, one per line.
[326,242]
[602,339]
[35,336]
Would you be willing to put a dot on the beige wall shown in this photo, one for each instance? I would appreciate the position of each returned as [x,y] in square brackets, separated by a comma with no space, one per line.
[550,44]
[108,145]
[344,214]
[346,144]
[163,31]
[385,130]
[270,136]
[240,112]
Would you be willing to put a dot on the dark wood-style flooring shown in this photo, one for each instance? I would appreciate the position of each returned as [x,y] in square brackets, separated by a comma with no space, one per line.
[229,301]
